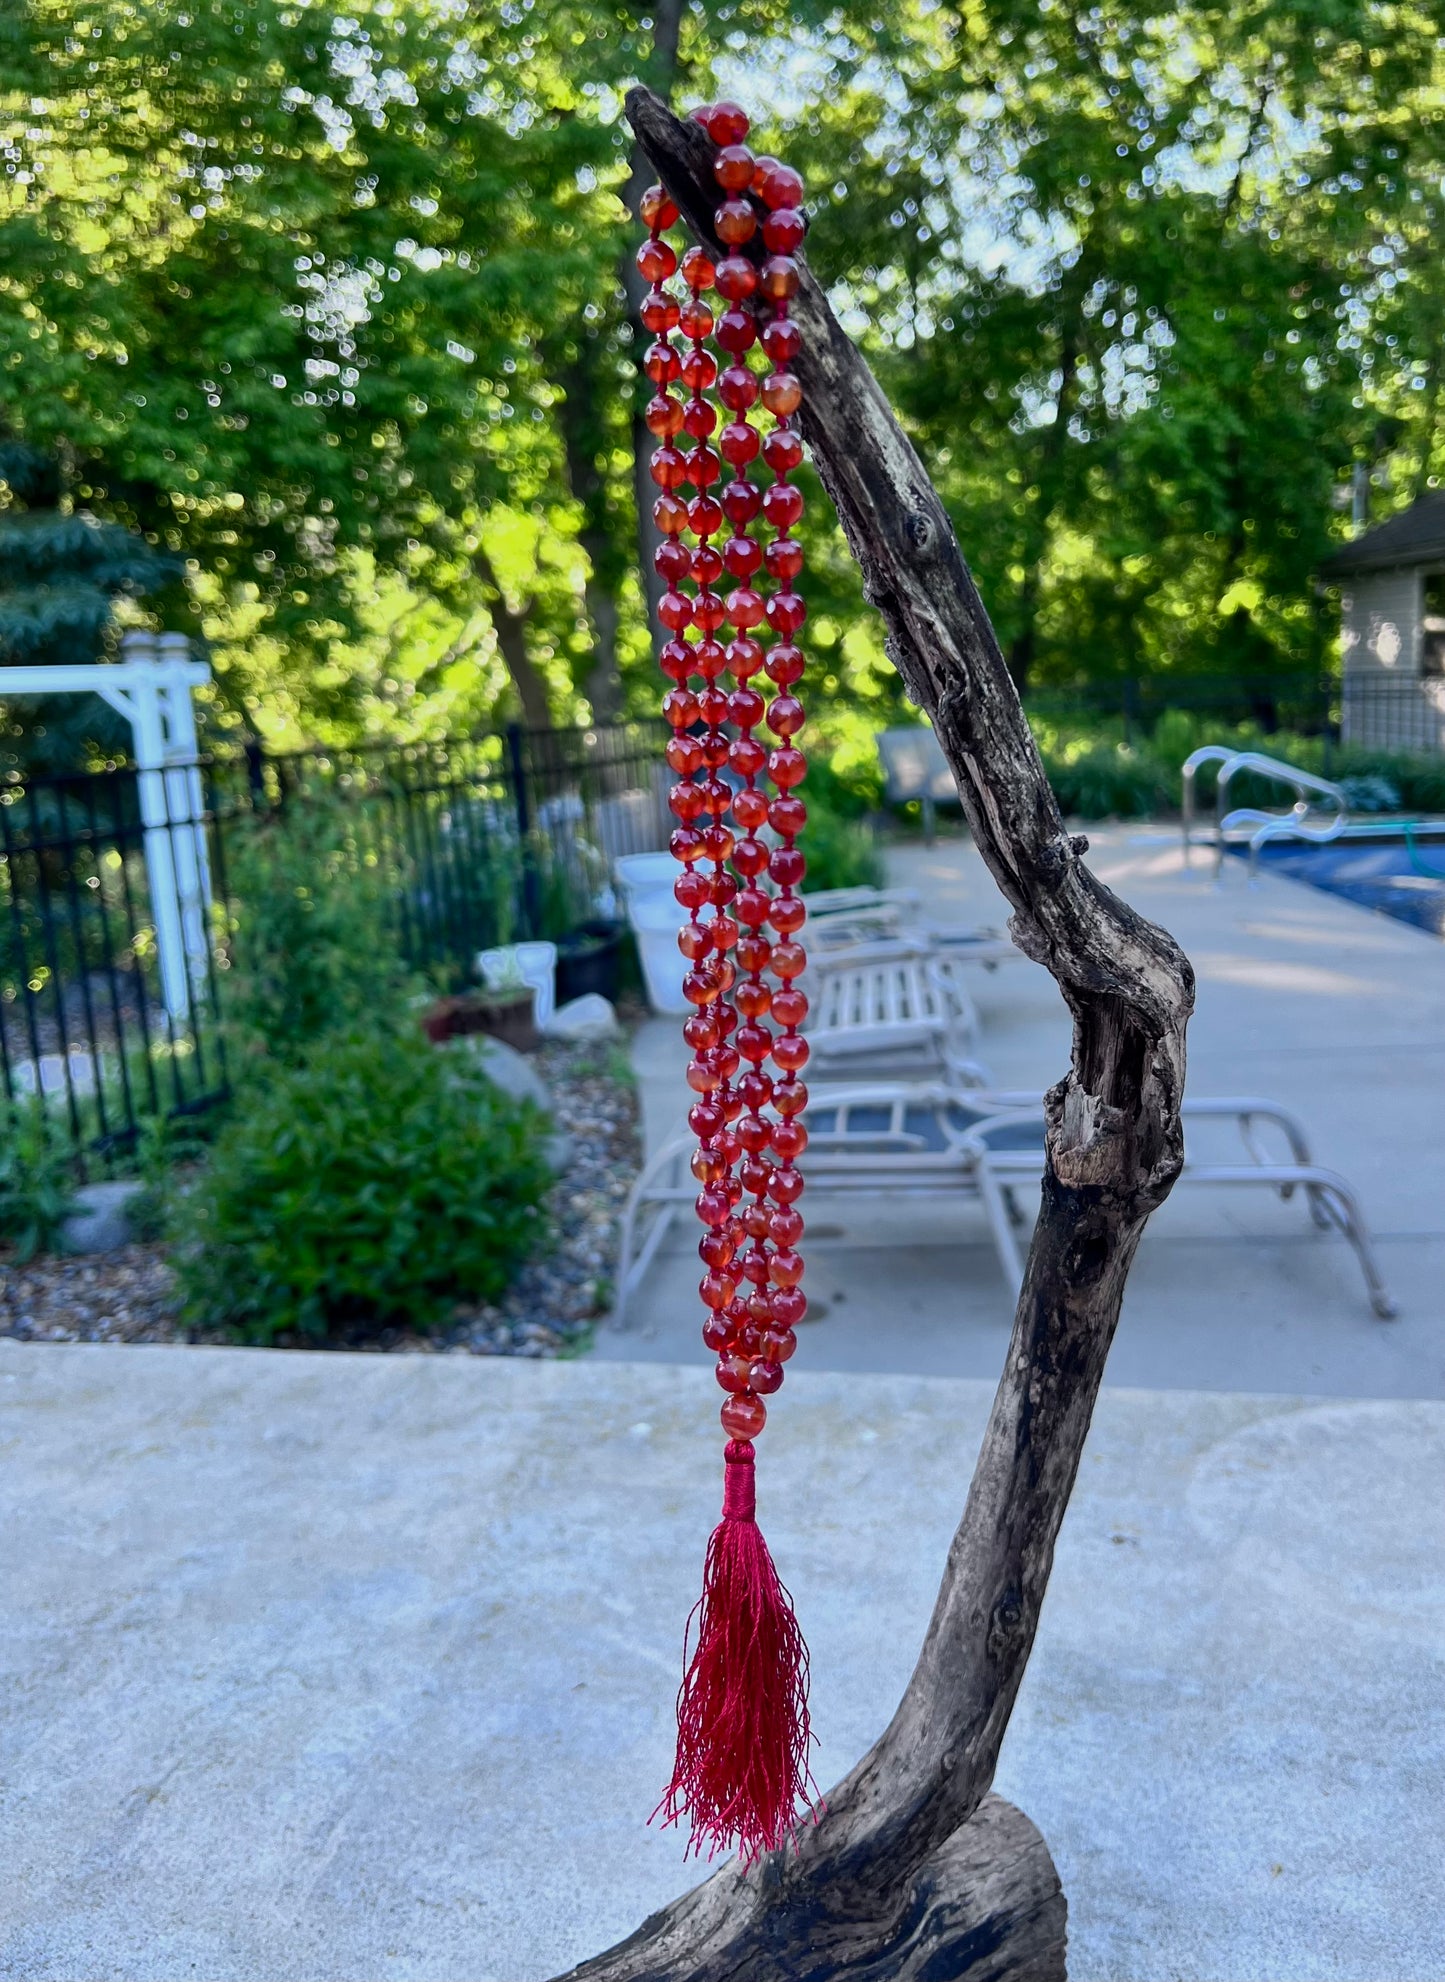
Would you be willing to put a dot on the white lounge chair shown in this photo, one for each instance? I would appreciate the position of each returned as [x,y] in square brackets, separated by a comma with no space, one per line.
[892,1007]
[842,918]
[900,1139]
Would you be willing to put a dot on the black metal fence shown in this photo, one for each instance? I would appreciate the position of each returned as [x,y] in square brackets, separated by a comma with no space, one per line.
[118,893]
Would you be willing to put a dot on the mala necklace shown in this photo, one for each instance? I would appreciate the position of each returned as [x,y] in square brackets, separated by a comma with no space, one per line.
[743,1732]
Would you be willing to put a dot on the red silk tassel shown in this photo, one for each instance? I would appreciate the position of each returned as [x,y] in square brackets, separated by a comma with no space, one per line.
[742,1714]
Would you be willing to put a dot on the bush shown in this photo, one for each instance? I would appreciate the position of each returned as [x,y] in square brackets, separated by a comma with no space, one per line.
[376,1183]
[36,1194]
[841,853]
[313,947]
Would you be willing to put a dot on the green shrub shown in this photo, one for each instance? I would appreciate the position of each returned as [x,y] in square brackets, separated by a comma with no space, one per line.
[841,853]
[375,1183]
[313,945]
[36,1194]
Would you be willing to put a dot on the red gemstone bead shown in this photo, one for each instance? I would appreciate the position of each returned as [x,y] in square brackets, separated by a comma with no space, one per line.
[737,331]
[779,279]
[789,1305]
[707,564]
[752,906]
[695,318]
[750,857]
[744,656]
[783,451]
[778,1344]
[699,417]
[694,939]
[732,1372]
[669,512]
[735,222]
[787,767]
[788,960]
[661,363]
[782,187]
[717,1289]
[782,393]
[743,1417]
[785,715]
[698,269]
[679,707]
[712,1207]
[785,557]
[698,368]
[787,815]
[746,608]
[765,1377]
[754,952]
[741,555]
[741,501]
[691,890]
[745,705]
[733,166]
[724,933]
[704,516]
[709,658]
[786,613]
[783,231]
[782,506]
[700,1028]
[659,312]
[675,660]
[666,467]
[726,123]
[753,999]
[791,1052]
[754,1042]
[663,416]
[737,279]
[753,1175]
[788,914]
[738,388]
[785,1227]
[686,803]
[738,443]
[785,664]
[709,612]
[657,261]
[790,1138]
[704,468]
[790,1005]
[657,210]
[717,1334]
[684,754]
[713,708]
[722,888]
[747,756]
[755,1089]
[782,340]
[672,561]
[786,866]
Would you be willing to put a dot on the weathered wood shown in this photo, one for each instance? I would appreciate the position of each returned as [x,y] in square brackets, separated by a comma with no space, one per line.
[896,1823]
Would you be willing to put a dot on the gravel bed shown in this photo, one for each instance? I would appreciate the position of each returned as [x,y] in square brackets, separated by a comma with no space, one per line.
[550,1309]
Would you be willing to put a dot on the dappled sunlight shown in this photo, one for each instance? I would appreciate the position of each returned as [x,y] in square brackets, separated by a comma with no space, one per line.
[1261,973]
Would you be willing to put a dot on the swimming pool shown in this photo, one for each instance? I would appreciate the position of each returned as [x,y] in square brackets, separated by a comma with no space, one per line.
[1389,875]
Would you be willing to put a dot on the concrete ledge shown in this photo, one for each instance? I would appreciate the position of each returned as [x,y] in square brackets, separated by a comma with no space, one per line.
[344,1666]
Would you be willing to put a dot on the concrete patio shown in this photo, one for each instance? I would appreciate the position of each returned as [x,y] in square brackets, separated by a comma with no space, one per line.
[331,1666]
[1336,1012]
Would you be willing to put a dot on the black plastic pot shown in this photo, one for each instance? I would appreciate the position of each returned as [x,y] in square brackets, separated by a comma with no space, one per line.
[588,961]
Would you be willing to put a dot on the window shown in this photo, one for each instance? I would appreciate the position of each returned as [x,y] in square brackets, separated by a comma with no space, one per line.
[1432,638]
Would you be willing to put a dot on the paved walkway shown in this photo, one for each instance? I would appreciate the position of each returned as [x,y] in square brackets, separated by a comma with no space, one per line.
[1333,1010]
[327,1666]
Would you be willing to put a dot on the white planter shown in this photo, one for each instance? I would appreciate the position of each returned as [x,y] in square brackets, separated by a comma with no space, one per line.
[646,880]
[532,963]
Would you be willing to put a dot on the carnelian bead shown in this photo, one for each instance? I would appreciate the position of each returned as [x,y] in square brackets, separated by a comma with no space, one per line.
[785,664]
[741,501]
[672,561]
[669,513]
[736,329]
[787,815]
[661,363]
[785,715]
[686,802]
[753,1134]
[782,393]
[760,1309]
[722,889]
[683,755]
[716,1249]
[717,1334]
[698,367]
[717,842]
[726,123]
[738,443]
[783,231]
[659,312]
[732,1372]
[747,756]
[657,210]
[675,660]
[782,187]
[743,1417]
[737,279]
[694,939]
[745,657]
[786,613]
[704,468]
[746,608]
[701,113]
[745,706]
[717,1289]
[788,1305]
[778,1344]
[752,906]
[690,889]
[685,843]
[755,1089]
[785,1227]
[708,658]
[790,1137]
[754,952]
[699,417]
[753,1174]
[700,1029]
[762,166]
[788,960]
[753,999]
[750,857]
[738,388]
[679,708]
[713,708]
[735,222]
[783,452]
[779,279]
[675,612]
[782,506]
[663,416]
[712,1207]
[787,767]
[765,1377]
[657,261]
[788,915]
[785,557]
[790,1005]
[724,934]
[704,515]
[698,269]
[782,340]
[742,556]
[707,565]
[791,1052]
[708,611]
[754,1042]
[695,318]
[733,167]
[666,467]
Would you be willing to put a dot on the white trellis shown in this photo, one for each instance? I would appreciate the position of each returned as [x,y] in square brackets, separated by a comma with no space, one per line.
[151,687]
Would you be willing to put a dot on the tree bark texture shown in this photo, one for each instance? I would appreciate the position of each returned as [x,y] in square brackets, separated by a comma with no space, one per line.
[901,1828]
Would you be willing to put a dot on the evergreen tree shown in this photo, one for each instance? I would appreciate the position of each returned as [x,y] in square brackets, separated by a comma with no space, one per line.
[62,572]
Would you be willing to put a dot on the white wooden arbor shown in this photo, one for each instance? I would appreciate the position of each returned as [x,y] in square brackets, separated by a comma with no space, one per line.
[151,687]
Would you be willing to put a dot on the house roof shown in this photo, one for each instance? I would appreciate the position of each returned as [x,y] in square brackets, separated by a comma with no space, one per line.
[1415,536]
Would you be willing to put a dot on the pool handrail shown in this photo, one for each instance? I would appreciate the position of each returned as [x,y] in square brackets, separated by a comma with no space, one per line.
[1262,826]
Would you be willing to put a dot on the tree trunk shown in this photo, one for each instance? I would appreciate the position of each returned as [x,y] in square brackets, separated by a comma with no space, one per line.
[511,631]
[887,1859]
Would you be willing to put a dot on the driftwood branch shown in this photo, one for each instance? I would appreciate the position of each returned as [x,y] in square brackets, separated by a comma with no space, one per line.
[874,1882]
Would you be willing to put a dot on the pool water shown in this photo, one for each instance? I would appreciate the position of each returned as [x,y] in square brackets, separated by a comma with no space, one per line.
[1381,874]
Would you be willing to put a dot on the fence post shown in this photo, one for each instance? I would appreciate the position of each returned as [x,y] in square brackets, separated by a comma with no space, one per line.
[522,800]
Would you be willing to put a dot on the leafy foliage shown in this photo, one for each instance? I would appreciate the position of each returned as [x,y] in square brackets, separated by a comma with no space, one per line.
[35,1184]
[373,1184]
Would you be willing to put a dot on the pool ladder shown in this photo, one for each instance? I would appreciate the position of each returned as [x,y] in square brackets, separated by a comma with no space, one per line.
[1246,825]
